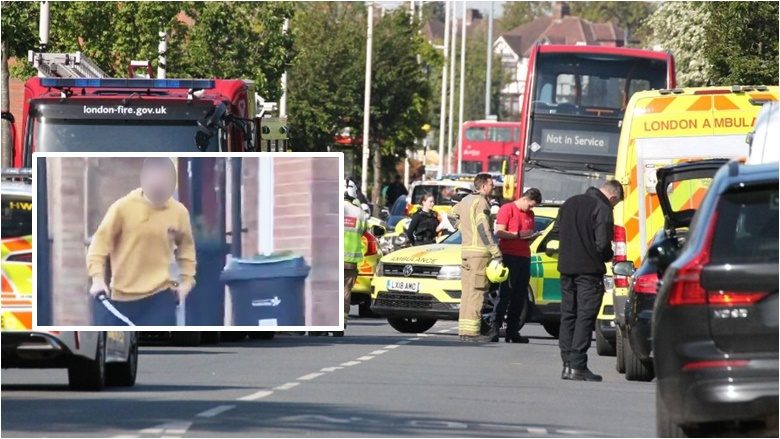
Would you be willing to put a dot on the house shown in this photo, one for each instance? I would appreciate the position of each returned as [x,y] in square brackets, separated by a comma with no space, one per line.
[514,46]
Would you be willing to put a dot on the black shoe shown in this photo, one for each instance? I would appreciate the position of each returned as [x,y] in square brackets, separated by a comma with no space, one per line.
[566,372]
[516,338]
[584,375]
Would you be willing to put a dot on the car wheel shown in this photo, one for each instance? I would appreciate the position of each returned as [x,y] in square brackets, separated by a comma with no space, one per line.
[262,335]
[364,310]
[186,338]
[635,369]
[123,374]
[664,425]
[209,337]
[552,328]
[89,374]
[603,346]
[620,365]
[411,325]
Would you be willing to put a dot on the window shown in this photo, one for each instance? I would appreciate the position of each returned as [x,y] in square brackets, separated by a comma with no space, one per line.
[501,134]
[747,226]
[475,133]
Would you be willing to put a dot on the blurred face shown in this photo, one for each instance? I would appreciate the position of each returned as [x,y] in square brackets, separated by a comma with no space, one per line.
[487,188]
[526,204]
[158,184]
[427,203]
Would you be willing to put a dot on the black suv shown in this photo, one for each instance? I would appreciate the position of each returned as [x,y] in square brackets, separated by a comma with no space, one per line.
[635,318]
[715,321]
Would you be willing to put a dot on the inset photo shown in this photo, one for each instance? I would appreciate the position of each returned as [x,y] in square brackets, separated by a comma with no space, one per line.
[168,243]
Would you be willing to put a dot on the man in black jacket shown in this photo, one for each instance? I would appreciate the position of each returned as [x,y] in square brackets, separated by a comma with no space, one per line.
[585,228]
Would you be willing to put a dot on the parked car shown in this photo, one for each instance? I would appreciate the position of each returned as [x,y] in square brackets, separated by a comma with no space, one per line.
[715,321]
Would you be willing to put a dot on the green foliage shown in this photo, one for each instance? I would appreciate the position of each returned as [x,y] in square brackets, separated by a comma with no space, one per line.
[241,40]
[19,32]
[476,59]
[742,42]
[628,15]
[325,80]
[434,10]
[517,13]
[679,27]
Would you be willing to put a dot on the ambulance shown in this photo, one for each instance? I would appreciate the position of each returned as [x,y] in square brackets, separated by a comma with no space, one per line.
[659,128]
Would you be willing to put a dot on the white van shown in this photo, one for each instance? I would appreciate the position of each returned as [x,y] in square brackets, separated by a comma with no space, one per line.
[764,141]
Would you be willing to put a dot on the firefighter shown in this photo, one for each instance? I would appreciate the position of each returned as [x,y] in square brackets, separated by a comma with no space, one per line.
[355,224]
[478,248]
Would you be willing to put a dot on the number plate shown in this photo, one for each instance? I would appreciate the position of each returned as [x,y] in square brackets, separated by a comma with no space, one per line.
[398,285]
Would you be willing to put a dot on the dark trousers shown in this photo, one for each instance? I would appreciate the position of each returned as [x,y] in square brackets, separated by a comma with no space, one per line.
[156,310]
[513,293]
[580,300]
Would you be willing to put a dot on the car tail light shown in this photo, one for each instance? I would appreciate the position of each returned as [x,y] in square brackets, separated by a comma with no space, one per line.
[646,284]
[371,244]
[620,255]
[686,288]
[731,298]
[714,364]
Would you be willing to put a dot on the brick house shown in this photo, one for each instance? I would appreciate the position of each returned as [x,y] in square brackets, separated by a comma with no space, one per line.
[305,199]
[514,47]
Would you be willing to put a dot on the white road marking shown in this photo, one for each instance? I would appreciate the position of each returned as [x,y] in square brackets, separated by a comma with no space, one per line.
[391,346]
[445,330]
[310,376]
[218,410]
[378,352]
[351,363]
[415,339]
[366,357]
[256,395]
[422,334]
[404,342]
[170,429]
[287,386]
[331,369]
[537,431]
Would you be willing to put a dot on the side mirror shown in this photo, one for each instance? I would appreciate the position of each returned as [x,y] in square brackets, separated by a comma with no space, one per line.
[208,126]
[663,254]
[623,268]
[552,247]
[377,231]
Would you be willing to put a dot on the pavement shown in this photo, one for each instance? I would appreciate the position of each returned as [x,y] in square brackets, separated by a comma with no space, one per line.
[373,382]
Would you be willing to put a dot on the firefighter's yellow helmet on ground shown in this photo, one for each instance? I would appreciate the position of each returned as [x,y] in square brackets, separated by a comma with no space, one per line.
[496,271]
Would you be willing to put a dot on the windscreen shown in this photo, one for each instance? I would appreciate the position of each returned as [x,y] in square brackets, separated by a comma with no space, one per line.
[442,194]
[578,103]
[17,216]
[106,127]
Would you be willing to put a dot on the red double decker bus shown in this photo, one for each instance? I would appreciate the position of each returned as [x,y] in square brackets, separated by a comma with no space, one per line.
[487,144]
[573,105]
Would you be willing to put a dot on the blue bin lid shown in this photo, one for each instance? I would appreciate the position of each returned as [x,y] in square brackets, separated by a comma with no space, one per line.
[276,265]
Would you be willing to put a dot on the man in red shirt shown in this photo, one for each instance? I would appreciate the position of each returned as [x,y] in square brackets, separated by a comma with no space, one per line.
[515,231]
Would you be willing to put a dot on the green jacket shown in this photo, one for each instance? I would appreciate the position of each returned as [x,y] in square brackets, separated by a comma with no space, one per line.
[354,226]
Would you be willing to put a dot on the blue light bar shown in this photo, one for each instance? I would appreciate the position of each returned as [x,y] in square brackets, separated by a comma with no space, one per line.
[200,84]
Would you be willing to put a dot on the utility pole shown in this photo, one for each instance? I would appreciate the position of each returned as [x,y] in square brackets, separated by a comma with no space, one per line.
[454,26]
[283,100]
[162,48]
[408,151]
[43,30]
[367,100]
[462,86]
[489,73]
[443,109]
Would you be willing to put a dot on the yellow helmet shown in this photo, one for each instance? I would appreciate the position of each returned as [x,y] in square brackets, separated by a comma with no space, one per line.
[496,272]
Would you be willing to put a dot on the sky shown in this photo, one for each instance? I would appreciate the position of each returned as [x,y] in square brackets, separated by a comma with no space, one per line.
[483,6]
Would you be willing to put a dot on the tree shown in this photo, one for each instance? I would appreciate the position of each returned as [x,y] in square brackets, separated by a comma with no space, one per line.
[476,59]
[19,20]
[325,80]
[241,40]
[742,42]
[517,13]
[434,11]
[628,15]
[400,91]
[680,27]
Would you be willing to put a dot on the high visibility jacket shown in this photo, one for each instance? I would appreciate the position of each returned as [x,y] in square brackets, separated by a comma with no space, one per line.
[473,215]
[354,227]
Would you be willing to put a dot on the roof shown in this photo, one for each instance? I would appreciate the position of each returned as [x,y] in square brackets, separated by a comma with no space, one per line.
[16,188]
[566,30]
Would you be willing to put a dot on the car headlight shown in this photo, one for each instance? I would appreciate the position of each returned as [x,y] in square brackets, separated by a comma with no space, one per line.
[449,272]
[379,270]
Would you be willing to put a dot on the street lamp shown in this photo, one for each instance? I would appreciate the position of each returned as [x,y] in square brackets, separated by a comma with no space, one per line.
[367,98]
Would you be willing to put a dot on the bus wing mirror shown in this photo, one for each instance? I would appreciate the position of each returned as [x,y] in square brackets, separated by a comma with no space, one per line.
[208,126]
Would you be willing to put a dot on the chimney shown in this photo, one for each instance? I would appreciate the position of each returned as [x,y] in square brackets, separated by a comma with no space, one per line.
[472,15]
[560,10]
